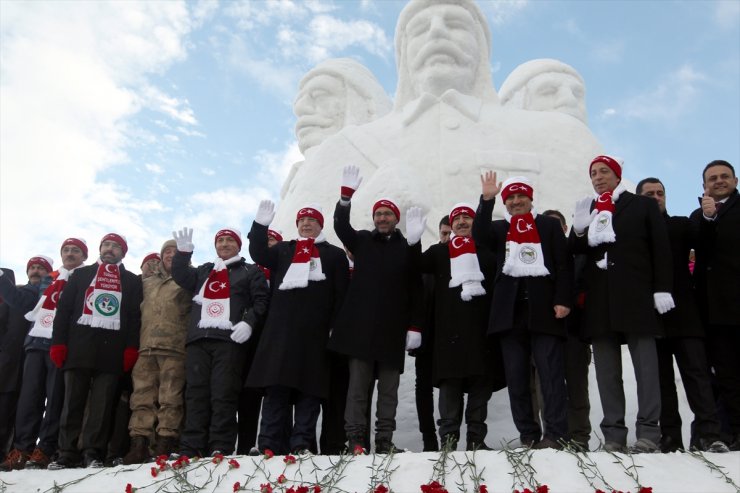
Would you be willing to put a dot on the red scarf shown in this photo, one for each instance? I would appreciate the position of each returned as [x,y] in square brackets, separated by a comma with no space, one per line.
[103,298]
[215,296]
[305,266]
[601,229]
[45,310]
[523,248]
[464,267]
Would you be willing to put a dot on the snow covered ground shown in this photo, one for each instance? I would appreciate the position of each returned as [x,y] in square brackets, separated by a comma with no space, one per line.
[499,471]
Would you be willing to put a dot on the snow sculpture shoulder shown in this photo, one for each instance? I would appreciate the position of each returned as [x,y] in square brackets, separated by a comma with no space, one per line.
[446,126]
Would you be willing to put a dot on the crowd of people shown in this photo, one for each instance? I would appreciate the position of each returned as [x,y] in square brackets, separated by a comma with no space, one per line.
[102,366]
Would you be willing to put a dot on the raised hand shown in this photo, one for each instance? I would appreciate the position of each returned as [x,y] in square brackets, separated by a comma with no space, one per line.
[582,215]
[416,221]
[351,180]
[489,186]
[184,239]
[265,213]
[708,205]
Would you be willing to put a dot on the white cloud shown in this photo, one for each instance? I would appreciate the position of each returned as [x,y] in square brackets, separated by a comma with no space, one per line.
[177,109]
[208,171]
[73,75]
[154,168]
[727,13]
[670,98]
[608,51]
[501,12]
[275,166]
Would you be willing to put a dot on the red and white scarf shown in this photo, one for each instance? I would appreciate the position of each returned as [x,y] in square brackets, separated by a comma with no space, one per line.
[306,264]
[601,229]
[103,298]
[464,267]
[215,296]
[45,310]
[523,248]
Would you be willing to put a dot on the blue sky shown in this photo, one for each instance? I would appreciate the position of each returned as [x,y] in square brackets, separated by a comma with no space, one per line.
[143,117]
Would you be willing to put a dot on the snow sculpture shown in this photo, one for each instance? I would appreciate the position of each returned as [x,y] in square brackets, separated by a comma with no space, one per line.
[447,126]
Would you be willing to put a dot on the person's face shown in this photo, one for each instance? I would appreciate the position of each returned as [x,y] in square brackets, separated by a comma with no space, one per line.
[226,247]
[603,178]
[462,225]
[110,252]
[149,268]
[72,256]
[655,191]
[308,227]
[320,108]
[385,220]
[719,182]
[517,204]
[442,51]
[167,256]
[36,273]
[444,233]
[562,224]
[557,92]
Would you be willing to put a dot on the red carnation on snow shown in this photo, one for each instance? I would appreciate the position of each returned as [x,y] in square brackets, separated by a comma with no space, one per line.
[269,454]
[483,489]
[237,486]
[289,459]
[543,488]
[266,488]
[380,489]
[646,489]
[233,464]
[129,488]
[433,487]
[154,471]
[282,479]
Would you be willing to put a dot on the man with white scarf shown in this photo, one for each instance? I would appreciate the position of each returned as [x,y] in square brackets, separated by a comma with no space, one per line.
[291,363]
[628,279]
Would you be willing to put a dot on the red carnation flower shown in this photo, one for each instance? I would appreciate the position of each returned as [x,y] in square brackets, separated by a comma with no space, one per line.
[266,488]
[358,450]
[233,464]
[282,479]
[269,454]
[129,488]
[217,458]
[646,489]
[380,489]
[483,489]
[289,459]
[154,472]
[543,488]
[317,489]
[237,486]
[302,489]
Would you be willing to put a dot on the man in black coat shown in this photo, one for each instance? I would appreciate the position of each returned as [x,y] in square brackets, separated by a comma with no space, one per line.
[17,301]
[684,339]
[628,279]
[532,295]
[95,339]
[463,363]
[381,311]
[310,277]
[230,303]
[717,276]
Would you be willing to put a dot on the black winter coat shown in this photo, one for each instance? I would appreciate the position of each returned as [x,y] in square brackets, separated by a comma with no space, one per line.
[17,301]
[95,347]
[460,344]
[543,292]
[250,296]
[684,320]
[620,298]
[717,268]
[384,296]
[292,349]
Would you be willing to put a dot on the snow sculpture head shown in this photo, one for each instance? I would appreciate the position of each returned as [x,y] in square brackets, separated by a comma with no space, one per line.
[442,45]
[546,85]
[336,93]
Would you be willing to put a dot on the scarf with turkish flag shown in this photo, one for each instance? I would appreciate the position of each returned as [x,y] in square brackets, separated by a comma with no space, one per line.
[464,267]
[215,296]
[523,248]
[45,310]
[601,229]
[306,264]
[103,298]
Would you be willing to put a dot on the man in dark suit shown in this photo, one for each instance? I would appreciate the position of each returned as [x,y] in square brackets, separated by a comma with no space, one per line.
[685,340]
[717,276]
[532,294]
[628,277]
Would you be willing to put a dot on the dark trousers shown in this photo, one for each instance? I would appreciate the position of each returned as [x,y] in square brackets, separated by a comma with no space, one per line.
[213,370]
[39,404]
[424,391]
[250,403]
[8,406]
[119,441]
[691,358]
[332,408]
[518,347]
[722,343]
[577,360]
[451,402]
[96,390]
[361,375]
[279,404]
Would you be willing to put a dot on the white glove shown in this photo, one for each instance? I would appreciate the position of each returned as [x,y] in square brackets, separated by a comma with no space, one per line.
[663,302]
[415,224]
[413,339]
[241,332]
[265,213]
[184,239]
[582,216]
[351,180]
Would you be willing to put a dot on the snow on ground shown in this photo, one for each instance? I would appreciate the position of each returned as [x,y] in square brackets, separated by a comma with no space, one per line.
[559,470]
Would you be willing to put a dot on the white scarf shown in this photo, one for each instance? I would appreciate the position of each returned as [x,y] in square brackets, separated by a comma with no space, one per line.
[464,267]
[601,229]
[103,298]
[215,296]
[306,264]
[524,256]
[45,310]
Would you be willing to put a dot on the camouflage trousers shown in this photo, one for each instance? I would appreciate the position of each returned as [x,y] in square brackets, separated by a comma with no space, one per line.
[157,399]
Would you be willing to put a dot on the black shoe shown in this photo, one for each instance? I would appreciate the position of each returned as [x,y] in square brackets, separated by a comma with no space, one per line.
[713,446]
[300,450]
[474,445]
[355,444]
[528,442]
[546,443]
[138,452]
[254,452]
[385,446]
[164,446]
[65,461]
[430,442]
[91,460]
[669,444]
[735,445]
